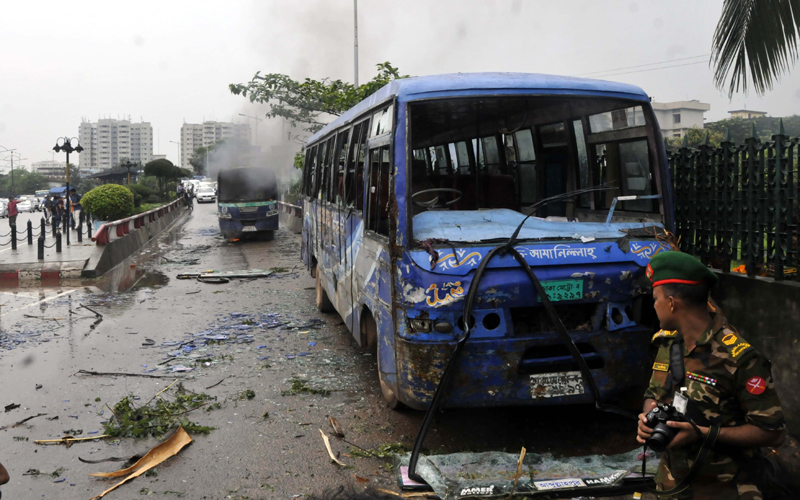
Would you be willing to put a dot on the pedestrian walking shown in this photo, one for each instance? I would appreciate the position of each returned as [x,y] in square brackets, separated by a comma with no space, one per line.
[12,211]
[75,207]
[47,209]
[57,207]
[717,381]
[3,476]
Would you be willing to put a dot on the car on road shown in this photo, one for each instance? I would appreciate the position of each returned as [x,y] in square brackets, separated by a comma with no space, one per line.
[205,193]
[24,205]
[35,202]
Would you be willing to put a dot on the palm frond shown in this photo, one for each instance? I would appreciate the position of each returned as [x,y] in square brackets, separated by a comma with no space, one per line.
[755,40]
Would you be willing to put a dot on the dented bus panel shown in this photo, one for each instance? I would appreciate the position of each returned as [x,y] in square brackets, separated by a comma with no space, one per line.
[407,193]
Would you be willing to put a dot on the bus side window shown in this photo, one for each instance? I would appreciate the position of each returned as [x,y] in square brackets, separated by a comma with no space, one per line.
[362,151]
[312,172]
[330,154]
[319,171]
[377,214]
[336,192]
[351,181]
[307,170]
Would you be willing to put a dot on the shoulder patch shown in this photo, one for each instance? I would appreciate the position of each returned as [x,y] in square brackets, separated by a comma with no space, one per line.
[733,343]
[661,367]
[664,335]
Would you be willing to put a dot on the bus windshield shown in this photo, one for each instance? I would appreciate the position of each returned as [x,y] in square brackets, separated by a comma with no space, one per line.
[500,155]
[247,184]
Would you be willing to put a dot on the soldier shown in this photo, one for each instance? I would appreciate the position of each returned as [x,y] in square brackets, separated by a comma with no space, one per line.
[727,381]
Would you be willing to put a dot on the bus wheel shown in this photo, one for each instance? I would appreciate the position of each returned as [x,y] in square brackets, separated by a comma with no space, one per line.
[369,336]
[323,302]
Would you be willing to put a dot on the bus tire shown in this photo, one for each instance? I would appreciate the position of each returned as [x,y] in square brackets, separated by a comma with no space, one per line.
[369,338]
[323,302]
[268,236]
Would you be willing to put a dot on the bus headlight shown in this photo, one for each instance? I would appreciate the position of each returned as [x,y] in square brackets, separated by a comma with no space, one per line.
[224,210]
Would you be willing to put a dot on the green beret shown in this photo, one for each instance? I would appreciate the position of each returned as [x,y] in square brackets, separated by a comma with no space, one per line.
[679,268]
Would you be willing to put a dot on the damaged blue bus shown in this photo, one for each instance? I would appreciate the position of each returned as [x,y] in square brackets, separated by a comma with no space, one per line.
[405,195]
[247,202]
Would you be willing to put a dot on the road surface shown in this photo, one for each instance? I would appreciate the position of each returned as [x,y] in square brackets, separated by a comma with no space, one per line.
[265,447]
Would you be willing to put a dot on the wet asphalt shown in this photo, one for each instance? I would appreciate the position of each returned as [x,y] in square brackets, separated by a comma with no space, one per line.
[265,447]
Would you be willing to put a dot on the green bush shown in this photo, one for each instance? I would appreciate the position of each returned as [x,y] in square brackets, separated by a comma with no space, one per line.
[153,198]
[108,202]
[140,192]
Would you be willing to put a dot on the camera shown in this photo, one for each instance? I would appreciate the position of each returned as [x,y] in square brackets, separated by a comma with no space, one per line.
[657,419]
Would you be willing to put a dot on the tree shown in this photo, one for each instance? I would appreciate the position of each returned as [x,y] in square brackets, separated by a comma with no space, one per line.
[165,171]
[696,137]
[305,101]
[755,38]
[200,157]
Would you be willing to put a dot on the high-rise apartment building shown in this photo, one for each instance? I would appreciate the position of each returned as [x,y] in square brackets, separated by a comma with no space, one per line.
[195,135]
[108,142]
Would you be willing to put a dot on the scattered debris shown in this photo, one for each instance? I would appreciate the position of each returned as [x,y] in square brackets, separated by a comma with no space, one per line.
[37,472]
[12,406]
[214,385]
[22,422]
[328,447]
[132,458]
[158,416]
[247,394]
[120,374]
[69,440]
[153,458]
[300,386]
[383,451]
[148,342]
[337,430]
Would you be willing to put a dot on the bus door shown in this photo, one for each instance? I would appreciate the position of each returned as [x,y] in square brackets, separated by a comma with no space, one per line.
[377,212]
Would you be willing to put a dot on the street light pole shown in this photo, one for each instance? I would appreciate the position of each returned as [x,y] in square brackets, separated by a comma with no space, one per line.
[256,120]
[6,150]
[355,39]
[66,146]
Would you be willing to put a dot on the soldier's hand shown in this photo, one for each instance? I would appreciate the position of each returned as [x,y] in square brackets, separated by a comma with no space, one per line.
[685,434]
[644,432]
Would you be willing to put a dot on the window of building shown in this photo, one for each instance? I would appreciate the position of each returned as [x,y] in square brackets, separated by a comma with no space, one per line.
[676,118]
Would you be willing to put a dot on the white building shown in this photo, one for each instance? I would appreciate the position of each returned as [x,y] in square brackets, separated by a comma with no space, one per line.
[675,118]
[195,135]
[108,142]
[51,169]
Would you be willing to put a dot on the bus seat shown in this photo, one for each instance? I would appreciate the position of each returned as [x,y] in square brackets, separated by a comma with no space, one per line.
[501,191]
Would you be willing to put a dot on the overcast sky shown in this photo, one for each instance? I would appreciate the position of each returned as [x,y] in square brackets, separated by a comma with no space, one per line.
[171,61]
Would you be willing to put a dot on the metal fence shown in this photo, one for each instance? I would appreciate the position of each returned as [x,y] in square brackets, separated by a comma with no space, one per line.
[738,204]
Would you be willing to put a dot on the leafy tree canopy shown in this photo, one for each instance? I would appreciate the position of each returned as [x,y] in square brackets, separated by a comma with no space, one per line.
[24,183]
[302,102]
[200,157]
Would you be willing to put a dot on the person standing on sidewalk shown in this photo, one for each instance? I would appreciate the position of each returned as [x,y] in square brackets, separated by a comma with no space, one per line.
[12,211]
[75,204]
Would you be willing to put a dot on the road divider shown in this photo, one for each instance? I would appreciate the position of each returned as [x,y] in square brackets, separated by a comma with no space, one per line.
[291,216]
[118,240]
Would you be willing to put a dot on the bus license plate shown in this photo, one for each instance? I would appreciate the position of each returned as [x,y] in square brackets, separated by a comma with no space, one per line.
[559,290]
[552,385]
[247,229]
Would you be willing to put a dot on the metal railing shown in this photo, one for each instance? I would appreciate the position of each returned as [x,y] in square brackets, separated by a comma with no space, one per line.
[117,229]
[288,208]
[740,203]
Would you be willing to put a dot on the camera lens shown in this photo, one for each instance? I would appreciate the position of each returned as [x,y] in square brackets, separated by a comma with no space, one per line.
[662,436]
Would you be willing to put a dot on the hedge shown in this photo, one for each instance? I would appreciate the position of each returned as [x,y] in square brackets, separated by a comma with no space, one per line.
[108,202]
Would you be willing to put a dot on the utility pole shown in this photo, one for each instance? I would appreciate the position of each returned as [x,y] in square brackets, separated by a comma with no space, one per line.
[355,48]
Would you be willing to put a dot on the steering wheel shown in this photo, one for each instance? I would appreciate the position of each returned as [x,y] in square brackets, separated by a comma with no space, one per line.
[434,203]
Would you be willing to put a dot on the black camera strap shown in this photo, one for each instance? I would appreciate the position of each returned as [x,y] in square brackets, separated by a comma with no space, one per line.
[677,369]
[684,484]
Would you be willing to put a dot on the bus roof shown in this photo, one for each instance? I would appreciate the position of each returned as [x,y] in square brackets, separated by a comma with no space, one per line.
[463,84]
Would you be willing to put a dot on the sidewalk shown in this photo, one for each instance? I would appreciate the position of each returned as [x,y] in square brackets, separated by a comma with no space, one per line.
[23,266]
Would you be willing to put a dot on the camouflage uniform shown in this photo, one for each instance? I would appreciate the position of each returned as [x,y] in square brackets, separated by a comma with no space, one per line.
[728,382]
